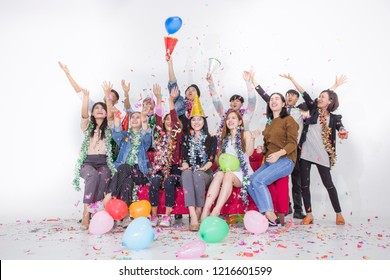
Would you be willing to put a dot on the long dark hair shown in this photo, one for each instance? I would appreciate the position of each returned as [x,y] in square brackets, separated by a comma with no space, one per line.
[226,130]
[283,112]
[205,126]
[104,124]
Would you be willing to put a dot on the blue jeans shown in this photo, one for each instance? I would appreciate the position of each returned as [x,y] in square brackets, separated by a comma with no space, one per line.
[264,176]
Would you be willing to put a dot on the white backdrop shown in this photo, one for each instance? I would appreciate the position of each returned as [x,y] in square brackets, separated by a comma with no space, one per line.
[123,39]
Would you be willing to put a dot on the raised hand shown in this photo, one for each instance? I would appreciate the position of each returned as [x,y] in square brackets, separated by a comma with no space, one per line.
[107,87]
[246,75]
[85,92]
[340,80]
[174,93]
[125,87]
[286,76]
[157,91]
[209,79]
[63,67]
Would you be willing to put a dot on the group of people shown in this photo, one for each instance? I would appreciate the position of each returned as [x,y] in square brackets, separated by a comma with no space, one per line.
[114,154]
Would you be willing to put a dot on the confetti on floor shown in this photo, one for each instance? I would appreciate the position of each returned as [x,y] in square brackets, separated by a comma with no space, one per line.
[61,239]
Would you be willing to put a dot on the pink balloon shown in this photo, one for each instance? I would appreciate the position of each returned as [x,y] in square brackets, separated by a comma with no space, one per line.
[255,222]
[191,250]
[101,223]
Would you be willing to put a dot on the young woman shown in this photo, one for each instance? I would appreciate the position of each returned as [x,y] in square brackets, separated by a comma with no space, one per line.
[240,143]
[198,151]
[280,152]
[95,164]
[132,162]
[167,158]
[318,144]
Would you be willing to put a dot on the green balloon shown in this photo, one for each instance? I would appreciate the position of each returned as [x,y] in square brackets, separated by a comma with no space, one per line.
[213,229]
[228,162]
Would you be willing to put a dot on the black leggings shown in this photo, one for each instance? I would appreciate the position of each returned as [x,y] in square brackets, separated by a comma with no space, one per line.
[170,184]
[326,178]
[123,182]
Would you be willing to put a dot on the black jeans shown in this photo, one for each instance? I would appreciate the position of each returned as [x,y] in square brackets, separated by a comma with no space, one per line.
[123,182]
[326,178]
[170,184]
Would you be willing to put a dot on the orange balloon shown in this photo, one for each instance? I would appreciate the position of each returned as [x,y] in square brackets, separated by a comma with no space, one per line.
[140,208]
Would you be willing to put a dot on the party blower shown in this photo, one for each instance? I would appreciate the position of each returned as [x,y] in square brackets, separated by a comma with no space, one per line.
[172,25]
[214,64]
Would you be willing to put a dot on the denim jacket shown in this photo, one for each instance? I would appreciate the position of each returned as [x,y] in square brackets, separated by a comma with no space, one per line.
[125,147]
[180,103]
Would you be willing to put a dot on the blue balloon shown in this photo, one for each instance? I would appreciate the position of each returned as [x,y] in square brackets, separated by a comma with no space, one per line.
[139,234]
[173,24]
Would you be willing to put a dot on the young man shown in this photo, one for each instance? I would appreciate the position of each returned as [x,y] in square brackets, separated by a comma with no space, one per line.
[236,103]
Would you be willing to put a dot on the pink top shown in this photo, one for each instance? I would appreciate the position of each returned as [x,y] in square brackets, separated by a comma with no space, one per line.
[96,145]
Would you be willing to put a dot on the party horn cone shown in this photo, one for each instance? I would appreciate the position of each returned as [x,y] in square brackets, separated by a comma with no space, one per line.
[214,64]
[170,43]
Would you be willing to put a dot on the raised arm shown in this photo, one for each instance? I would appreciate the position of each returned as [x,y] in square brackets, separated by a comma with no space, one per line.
[339,81]
[171,72]
[257,86]
[296,85]
[215,97]
[250,109]
[84,106]
[73,83]
[126,90]
[144,117]
[107,87]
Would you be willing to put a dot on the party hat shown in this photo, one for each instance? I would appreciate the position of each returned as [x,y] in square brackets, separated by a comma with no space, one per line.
[170,43]
[214,64]
[197,109]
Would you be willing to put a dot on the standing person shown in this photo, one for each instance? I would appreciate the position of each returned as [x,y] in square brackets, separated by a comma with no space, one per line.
[95,164]
[297,112]
[183,106]
[198,151]
[280,151]
[238,142]
[132,162]
[167,158]
[236,103]
[318,144]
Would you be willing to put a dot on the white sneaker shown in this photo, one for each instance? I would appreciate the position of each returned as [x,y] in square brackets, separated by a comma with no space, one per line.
[154,221]
[166,221]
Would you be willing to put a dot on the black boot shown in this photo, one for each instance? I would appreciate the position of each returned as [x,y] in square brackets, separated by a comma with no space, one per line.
[299,215]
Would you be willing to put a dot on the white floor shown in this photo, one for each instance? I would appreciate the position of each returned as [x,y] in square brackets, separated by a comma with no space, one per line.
[61,239]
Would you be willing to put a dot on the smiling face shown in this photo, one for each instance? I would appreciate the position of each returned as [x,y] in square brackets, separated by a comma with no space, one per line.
[135,120]
[232,121]
[323,100]
[99,112]
[197,123]
[291,99]
[167,122]
[276,103]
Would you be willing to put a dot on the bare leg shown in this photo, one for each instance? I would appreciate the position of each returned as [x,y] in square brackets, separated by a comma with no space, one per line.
[229,181]
[168,210]
[212,194]
[154,210]
[86,218]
